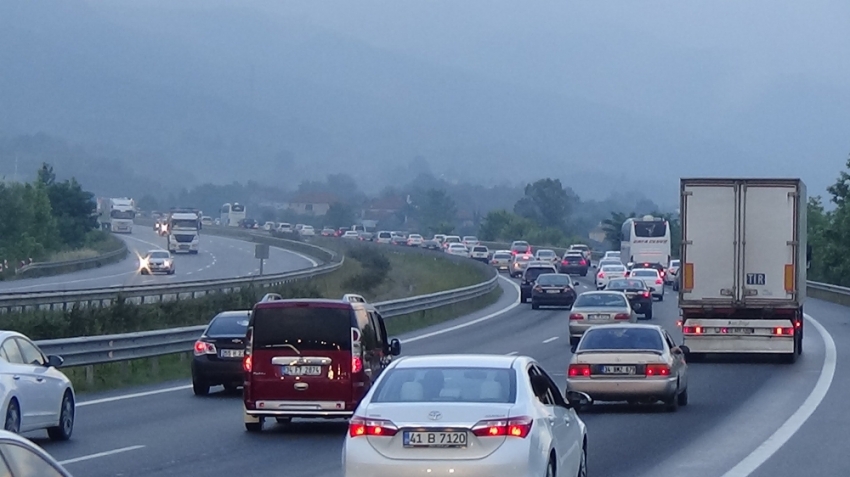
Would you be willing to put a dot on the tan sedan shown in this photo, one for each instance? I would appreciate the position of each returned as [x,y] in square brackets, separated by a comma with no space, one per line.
[630,362]
[598,308]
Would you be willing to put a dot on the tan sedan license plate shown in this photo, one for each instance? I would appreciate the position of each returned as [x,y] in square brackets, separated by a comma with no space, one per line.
[598,317]
[434,439]
[618,370]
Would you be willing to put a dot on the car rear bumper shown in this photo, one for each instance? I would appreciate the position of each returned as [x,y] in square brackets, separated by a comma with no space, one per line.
[608,389]
[217,372]
[511,459]
[573,269]
[308,409]
[740,344]
[560,299]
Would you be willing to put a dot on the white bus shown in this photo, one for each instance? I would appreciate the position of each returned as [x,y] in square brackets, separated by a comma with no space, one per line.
[232,214]
[646,240]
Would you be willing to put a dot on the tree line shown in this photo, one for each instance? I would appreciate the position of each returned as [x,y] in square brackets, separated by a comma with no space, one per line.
[828,232]
[45,216]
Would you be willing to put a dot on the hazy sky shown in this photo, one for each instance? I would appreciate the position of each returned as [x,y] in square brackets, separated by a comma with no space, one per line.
[622,92]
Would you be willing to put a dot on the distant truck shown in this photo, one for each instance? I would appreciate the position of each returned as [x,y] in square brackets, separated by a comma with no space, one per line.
[743,266]
[122,212]
[183,230]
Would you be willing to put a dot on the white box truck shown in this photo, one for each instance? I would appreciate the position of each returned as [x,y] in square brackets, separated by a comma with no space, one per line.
[743,266]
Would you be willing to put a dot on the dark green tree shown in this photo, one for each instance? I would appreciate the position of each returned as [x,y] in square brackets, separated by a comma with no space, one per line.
[547,203]
[437,211]
[339,215]
[613,227]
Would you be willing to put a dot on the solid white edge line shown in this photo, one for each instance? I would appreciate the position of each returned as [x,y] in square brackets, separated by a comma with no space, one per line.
[549,340]
[134,395]
[787,430]
[409,340]
[99,455]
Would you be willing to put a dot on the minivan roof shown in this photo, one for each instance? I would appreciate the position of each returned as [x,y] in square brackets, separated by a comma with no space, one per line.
[329,303]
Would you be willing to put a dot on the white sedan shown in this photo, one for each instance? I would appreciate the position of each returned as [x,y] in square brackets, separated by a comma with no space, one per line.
[652,279]
[457,249]
[466,416]
[608,273]
[36,395]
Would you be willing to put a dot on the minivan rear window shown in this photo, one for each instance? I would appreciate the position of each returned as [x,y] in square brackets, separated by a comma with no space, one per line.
[307,328]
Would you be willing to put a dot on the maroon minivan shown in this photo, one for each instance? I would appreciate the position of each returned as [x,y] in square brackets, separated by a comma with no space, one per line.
[312,358]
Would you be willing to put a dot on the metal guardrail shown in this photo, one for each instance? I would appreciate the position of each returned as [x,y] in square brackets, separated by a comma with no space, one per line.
[78,264]
[139,294]
[827,292]
[85,351]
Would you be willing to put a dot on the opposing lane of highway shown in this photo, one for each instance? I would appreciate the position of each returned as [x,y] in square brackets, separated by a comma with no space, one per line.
[734,406]
[219,257]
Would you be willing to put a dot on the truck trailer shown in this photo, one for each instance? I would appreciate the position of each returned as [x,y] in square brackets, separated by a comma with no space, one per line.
[743,266]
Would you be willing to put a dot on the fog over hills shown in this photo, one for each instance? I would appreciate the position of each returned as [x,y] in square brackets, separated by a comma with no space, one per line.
[607,98]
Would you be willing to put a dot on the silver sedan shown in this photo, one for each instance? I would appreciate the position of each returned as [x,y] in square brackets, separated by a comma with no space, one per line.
[466,416]
[598,308]
[630,362]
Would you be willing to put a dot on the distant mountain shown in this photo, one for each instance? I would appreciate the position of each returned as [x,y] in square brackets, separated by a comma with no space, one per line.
[227,94]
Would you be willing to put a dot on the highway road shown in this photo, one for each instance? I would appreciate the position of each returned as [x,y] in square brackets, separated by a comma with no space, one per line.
[736,405]
[219,257]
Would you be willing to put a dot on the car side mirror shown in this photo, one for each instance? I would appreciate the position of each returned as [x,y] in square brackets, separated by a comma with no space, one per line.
[575,284]
[578,399]
[395,347]
[54,361]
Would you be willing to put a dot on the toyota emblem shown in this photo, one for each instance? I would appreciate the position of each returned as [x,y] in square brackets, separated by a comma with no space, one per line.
[435,415]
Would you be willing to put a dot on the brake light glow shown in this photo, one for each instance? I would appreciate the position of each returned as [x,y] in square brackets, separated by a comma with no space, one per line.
[202,348]
[646,294]
[601,275]
[622,316]
[356,364]
[693,330]
[657,370]
[783,331]
[576,316]
[658,281]
[511,427]
[247,364]
[359,426]
[579,371]
[565,262]
[583,262]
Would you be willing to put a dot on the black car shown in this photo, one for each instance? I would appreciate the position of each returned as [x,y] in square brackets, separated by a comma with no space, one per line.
[553,289]
[574,264]
[640,297]
[529,277]
[219,352]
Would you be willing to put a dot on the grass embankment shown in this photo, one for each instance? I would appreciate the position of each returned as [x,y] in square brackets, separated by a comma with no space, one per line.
[376,274]
[97,244]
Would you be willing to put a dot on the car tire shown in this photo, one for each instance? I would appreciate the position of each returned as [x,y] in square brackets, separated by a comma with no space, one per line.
[672,403]
[551,470]
[254,426]
[582,463]
[63,431]
[200,388]
[661,297]
[648,315]
[13,417]
[534,306]
[683,397]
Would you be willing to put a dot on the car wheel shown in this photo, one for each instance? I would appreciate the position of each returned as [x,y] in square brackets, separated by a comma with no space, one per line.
[582,463]
[672,403]
[63,431]
[683,398]
[13,417]
[661,298]
[550,467]
[534,306]
[648,314]
[254,426]
[200,389]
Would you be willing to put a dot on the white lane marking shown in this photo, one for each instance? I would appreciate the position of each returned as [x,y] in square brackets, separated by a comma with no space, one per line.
[100,454]
[550,339]
[512,353]
[787,430]
[134,395]
[313,262]
[470,323]
[409,340]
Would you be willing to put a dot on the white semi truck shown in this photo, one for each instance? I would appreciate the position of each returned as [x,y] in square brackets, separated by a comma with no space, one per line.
[122,211]
[743,266]
[183,231]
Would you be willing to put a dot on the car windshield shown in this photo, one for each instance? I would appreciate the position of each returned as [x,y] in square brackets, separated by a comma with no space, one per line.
[621,338]
[545,253]
[523,258]
[452,239]
[580,247]
[479,249]
[612,254]
[608,263]
[158,255]
[416,236]
[502,256]
[626,285]
[229,323]
[613,268]
[552,279]
[304,327]
[447,384]
[644,273]
[674,263]
[470,238]
[531,274]
[594,300]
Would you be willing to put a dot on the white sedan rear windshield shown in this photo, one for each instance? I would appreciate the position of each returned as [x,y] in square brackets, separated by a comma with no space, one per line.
[621,339]
[593,300]
[614,268]
[502,256]
[644,273]
[455,384]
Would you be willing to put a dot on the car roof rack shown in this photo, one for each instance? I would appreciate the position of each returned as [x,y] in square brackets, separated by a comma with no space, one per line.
[353,298]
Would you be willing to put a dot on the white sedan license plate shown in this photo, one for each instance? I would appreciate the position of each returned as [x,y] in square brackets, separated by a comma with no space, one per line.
[232,353]
[302,370]
[552,291]
[618,369]
[598,317]
[434,439]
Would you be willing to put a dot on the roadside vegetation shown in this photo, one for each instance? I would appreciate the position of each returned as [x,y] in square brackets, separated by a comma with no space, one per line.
[828,229]
[45,219]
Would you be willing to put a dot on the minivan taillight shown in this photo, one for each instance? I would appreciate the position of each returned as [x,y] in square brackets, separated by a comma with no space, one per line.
[247,364]
[356,364]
